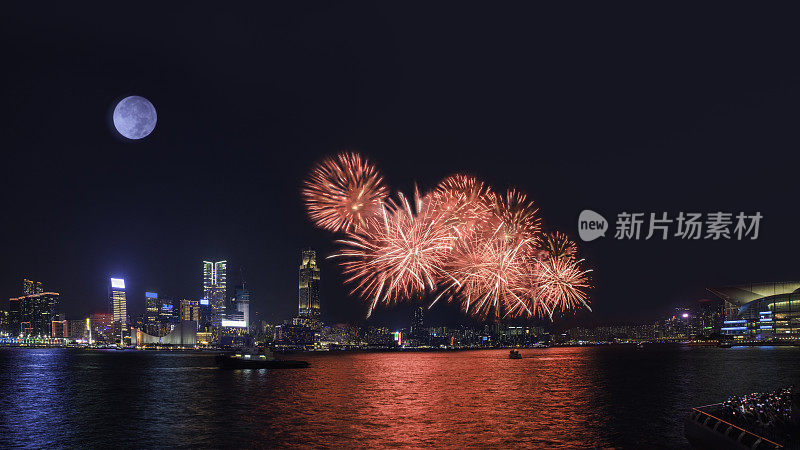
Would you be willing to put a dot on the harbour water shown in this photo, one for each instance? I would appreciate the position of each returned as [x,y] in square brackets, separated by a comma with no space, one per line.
[553,397]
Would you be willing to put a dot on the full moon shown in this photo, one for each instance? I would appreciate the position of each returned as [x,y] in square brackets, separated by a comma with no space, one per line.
[134,117]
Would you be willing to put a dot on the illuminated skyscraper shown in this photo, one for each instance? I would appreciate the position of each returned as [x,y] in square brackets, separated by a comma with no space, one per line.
[30,287]
[190,310]
[309,286]
[214,288]
[242,300]
[417,330]
[117,301]
[151,310]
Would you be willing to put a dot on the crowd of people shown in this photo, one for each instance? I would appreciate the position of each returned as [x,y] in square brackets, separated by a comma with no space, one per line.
[772,415]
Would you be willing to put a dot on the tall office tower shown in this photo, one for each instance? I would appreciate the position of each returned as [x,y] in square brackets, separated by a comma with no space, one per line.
[417,323]
[190,310]
[214,289]
[167,313]
[117,301]
[151,311]
[4,322]
[33,315]
[242,300]
[30,287]
[309,285]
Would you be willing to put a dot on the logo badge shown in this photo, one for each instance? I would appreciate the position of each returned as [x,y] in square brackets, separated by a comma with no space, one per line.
[591,225]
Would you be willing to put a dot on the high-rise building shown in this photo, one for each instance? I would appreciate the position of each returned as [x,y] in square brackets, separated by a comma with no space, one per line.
[151,311]
[308,304]
[4,328]
[101,327]
[30,287]
[118,307]
[190,310]
[417,330]
[214,289]
[167,313]
[33,315]
[117,301]
[242,301]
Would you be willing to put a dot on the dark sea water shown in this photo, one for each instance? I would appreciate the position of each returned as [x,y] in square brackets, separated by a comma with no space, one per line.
[557,397]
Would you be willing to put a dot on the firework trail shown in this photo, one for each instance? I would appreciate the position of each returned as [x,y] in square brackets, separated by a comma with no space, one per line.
[344,192]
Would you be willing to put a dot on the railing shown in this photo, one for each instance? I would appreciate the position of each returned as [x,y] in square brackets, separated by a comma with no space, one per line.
[756,439]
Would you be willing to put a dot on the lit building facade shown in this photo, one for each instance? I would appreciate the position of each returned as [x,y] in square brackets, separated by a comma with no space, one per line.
[151,312]
[308,305]
[183,334]
[242,301]
[117,301]
[30,287]
[33,315]
[190,310]
[763,311]
[118,307]
[167,314]
[215,283]
[101,327]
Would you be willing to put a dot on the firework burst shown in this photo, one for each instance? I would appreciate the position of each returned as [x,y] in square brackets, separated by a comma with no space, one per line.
[344,193]
[461,241]
[557,245]
[400,257]
[562,284]
[515,217]
[488,277]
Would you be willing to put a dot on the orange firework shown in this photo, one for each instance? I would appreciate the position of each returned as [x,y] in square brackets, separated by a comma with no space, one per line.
[557,245]
[462,240]
[515,217]
[401,256]
[463,201]
[562,284]
[488,276]
[344,192]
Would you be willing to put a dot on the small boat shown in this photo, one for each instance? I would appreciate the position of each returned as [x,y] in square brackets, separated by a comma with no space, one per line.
[257,361]
[640,345]
[514,354]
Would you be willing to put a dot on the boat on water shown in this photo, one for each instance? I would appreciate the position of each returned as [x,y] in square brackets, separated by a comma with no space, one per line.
[514,354]
[254,360]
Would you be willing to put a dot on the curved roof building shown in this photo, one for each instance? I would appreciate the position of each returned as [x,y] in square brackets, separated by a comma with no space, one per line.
[761,311]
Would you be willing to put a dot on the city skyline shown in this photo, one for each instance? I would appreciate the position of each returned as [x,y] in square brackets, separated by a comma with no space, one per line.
[218,178]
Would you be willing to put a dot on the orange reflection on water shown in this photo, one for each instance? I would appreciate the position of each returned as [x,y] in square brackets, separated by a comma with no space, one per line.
[454,399]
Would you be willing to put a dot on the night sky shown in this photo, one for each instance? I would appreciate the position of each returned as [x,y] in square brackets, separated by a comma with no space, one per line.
[586,107]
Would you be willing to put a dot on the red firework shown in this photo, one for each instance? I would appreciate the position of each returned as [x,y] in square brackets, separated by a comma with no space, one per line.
[488,276]
[557,245]
[515,218]
[463,201]
[562,284]
[400,257]
[484,250]
[344,193]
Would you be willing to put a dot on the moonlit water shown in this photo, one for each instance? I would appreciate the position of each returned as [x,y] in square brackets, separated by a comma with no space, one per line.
[558,397]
